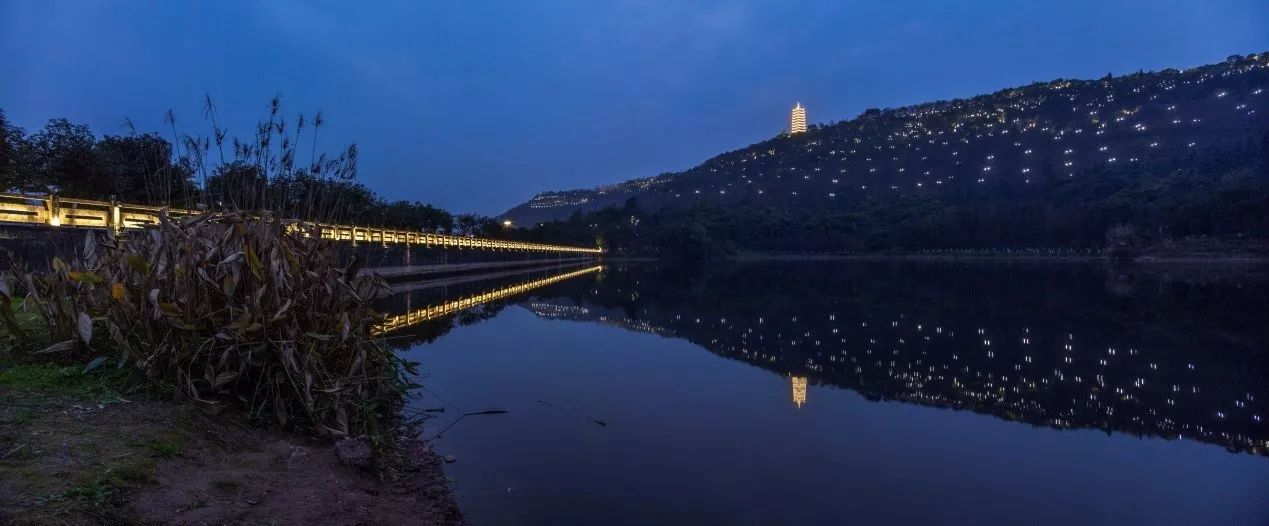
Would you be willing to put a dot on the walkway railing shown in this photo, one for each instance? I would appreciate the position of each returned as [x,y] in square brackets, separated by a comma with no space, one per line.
[57,211]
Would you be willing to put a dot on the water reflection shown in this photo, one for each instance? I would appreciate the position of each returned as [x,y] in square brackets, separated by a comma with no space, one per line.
[799,390]
[1059,347]
[412,317]
[781,428]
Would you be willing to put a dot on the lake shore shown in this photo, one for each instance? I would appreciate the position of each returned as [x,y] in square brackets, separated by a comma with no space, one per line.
[1192,258]
[1190,250]
[1201,251]
[88,456]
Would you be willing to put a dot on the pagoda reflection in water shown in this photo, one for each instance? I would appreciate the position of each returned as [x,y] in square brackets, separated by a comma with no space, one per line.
[799,390]
[1067,352]
[1063,347]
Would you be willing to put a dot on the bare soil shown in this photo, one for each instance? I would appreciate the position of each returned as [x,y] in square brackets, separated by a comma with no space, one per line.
[66,460]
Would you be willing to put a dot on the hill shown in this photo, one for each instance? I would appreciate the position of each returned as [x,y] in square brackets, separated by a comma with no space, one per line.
[987,164]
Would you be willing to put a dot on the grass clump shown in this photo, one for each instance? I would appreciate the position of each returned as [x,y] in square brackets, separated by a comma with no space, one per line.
[39,377]
[21,326]
[52,378]
[136,471]
[164,449]
[97,495]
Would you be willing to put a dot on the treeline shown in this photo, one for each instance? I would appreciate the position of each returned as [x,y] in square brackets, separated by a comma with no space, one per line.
[1221,193]
[278,168]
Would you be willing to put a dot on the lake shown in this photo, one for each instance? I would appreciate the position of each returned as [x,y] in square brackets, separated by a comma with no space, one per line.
[849,392]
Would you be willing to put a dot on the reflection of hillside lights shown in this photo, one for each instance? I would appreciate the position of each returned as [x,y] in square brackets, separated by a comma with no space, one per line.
[421,315]
[799,390]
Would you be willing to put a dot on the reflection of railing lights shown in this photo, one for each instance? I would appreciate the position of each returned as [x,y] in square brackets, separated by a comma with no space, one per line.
[417,316]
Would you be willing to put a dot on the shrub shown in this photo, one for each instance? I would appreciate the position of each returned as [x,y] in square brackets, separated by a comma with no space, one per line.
[231,309]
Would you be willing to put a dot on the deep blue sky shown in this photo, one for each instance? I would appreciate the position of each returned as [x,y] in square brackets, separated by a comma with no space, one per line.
[476,106]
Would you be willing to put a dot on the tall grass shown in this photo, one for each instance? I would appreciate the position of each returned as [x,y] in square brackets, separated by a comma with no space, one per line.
[231,310]
[277,166]
[265,171]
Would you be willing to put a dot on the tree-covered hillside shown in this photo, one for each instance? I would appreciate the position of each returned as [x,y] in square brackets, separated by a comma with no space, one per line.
[1168,154]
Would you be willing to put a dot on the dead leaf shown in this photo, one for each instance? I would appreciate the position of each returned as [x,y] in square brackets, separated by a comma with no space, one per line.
[65,346]
[85,328]
[224,378]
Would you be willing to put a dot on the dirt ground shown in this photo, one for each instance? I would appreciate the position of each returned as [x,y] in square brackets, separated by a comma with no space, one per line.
[68,460]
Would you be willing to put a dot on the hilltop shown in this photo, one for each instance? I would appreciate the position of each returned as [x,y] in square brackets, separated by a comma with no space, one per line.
[1040,154]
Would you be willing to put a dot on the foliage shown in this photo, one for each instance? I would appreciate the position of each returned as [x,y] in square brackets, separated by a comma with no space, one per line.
[12,138]
[277,168]
[1221,193]
[61,154]
[164,448]
[231,310]
[63,379]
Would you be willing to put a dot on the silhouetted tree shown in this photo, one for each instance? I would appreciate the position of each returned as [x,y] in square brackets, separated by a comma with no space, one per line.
[62,161]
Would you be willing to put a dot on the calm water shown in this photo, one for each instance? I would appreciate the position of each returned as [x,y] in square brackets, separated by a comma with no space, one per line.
[832,393]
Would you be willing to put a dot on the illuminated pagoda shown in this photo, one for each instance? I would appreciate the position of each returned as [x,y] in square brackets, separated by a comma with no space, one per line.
[797,121]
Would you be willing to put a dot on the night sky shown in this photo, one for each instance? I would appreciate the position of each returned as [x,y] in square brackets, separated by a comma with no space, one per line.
[476,106]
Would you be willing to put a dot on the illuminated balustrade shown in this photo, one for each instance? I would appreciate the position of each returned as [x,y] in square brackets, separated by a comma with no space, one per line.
[56,211]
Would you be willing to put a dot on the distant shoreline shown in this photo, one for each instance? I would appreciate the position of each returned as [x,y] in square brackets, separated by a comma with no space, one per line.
[1181,259]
